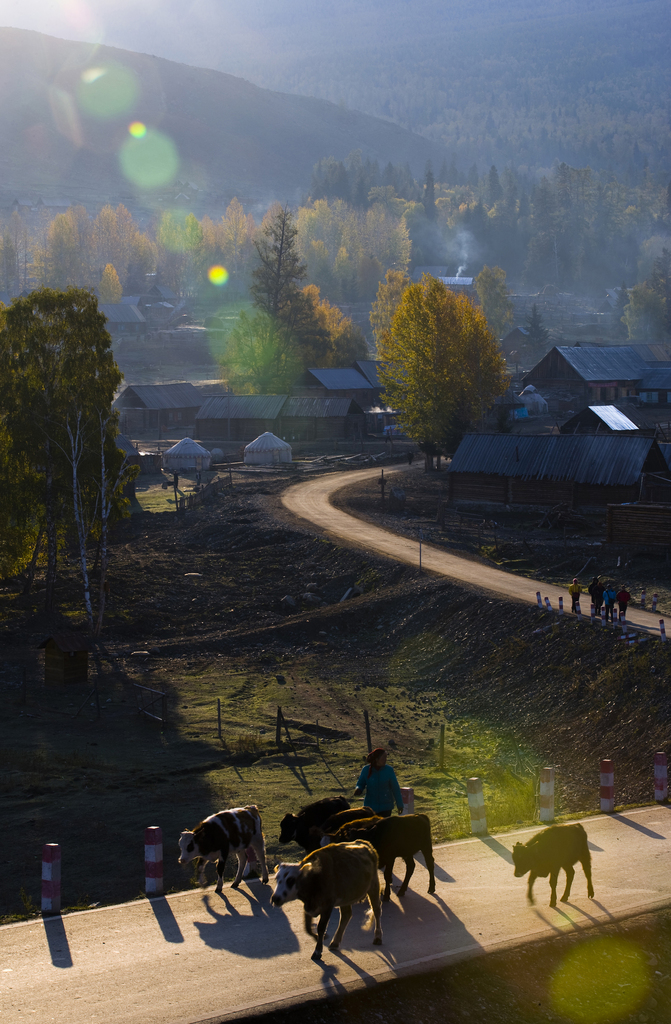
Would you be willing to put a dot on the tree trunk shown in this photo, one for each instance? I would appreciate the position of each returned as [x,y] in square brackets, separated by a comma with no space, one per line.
[52,539]
[30,572]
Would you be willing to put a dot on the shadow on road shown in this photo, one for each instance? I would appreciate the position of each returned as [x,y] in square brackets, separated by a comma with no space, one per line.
[240,932]
[166,919]
[639,828]
[497,847]
[59,947]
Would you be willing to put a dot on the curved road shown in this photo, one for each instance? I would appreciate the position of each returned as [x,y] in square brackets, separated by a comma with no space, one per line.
[311,501]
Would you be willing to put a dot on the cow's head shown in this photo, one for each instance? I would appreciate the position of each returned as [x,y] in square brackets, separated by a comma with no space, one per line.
[288,828]
[285,883]
[521,859]
[188,848]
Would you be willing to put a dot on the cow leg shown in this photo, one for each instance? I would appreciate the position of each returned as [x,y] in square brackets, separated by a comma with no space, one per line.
[221,864]
[570,875]
[554,875]
[199,865]
[242,863]
[376,907]
[321,931]
[388,872]
[429,861]
[345,916]
[307,921]
[587,868]
[409,871]
[259,847]
[532,879]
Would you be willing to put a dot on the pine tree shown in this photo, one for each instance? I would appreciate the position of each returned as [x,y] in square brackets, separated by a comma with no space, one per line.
[109,288]
[538,334]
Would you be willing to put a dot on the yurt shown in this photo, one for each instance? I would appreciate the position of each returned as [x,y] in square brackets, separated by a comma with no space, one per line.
[187,455]
[266,450]
[535,403]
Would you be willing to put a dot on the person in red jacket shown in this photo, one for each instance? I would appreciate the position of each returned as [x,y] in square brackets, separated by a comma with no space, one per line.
[623,599]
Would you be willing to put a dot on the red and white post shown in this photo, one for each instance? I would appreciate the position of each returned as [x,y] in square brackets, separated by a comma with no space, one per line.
[561,605]
[476,806]
[654,603]
[577,611]
[548,606]
[547,795]
[592,613]
[408,795]
[153,861]
[603,615]
[607,791]
[623,621]
[538,598]
[643,599]
[661,777]
[662,631]
[51,879]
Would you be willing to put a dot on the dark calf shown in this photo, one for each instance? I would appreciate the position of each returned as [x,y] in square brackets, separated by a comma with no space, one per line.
[557,847]
[297,826]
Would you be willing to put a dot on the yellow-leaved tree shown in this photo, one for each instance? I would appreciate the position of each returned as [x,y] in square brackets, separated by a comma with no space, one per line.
[109,288]
[441,366]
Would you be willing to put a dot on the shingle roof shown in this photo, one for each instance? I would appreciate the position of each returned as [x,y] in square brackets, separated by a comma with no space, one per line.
[318,407]
[607,459]
[340,378]
[121,313]
[241,407]
[68,642]
[159,396]
[612,362]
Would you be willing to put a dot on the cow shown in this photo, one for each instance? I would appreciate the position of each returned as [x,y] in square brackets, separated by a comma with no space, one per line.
[332,824]
[393,837]
[329,877]
[559,846]
[297,826]
[234,830]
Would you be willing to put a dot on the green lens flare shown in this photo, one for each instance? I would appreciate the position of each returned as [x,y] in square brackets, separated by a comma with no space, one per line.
[149,161]
[107,91]
[218,275]
[603,980]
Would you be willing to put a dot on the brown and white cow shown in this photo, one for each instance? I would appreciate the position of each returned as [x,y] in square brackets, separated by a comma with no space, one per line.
[234,830]
[559,846]
[329,877]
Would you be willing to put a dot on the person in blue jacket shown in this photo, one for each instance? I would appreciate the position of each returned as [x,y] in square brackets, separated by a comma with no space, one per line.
[378,781]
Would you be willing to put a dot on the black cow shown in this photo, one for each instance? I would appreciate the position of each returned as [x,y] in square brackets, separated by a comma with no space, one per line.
[336,821]
[391,838]
[559,846]
[297,826]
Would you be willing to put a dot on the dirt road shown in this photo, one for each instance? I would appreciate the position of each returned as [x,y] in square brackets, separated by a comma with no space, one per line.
[195,956]
[311,501]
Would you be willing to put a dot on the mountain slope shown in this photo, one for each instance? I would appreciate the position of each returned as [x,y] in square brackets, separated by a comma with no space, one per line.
[67,107]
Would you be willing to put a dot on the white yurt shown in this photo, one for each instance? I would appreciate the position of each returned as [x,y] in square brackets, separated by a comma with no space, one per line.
[266,450]
[187,455]
[534,402]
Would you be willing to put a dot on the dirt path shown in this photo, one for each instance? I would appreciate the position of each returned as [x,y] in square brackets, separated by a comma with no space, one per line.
[311,501]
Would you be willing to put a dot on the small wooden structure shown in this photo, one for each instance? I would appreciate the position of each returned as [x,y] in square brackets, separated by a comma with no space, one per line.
[66,658]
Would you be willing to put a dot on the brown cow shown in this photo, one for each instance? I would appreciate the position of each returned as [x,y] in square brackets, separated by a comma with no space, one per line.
[559,846]
[332,876]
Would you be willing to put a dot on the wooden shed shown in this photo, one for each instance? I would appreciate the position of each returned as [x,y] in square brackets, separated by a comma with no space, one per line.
[66,658]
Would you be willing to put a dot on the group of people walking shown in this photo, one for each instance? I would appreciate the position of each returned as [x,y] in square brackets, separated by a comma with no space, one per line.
[603,594]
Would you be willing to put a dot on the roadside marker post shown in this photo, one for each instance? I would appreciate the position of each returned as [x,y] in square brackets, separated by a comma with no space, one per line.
[547,794]
[623,622]
[561,605]
[607,791]
[603,616]
[51,879]
[643,599]
[661,777]
[592,613]
[662,631]
[153,861]
[654,603]
[538,598]
[577,611]
[408,794]
[476,806]
[548,606]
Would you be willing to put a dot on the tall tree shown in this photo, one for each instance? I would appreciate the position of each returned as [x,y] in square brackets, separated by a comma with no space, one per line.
[279,269]
[538,334]
[56,364]
[440,363]
[388,297]
[490,284]
[110,286]
[645,316]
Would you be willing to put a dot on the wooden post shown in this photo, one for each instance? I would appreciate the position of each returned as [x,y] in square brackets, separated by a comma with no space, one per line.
[164,712]
[369,742]
[230,474]
[441,761]
[219,717]
[278,728]
[317,735]
[420,549]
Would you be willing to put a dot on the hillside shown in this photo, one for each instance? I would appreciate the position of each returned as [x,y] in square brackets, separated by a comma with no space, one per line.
[67,107]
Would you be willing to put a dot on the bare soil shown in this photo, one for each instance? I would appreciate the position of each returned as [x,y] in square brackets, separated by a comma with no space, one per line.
[196,612]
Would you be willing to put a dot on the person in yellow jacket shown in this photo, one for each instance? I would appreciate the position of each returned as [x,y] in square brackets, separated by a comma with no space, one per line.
[575,590]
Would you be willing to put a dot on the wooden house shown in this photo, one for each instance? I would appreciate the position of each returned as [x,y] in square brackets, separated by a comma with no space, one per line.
[238,417]
[573,377]
[336,382]
[66,658]
[317,419]
[545,469]
[144,407]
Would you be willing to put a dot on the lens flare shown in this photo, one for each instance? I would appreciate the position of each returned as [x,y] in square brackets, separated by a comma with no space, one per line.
[601,981]
[149,161]
[218,275]
[137,129]
[107,91]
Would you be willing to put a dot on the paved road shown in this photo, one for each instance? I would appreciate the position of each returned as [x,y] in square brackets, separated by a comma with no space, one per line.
[311,501]
[197,956]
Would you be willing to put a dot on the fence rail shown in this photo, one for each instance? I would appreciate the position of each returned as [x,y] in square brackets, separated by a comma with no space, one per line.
[147,701]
